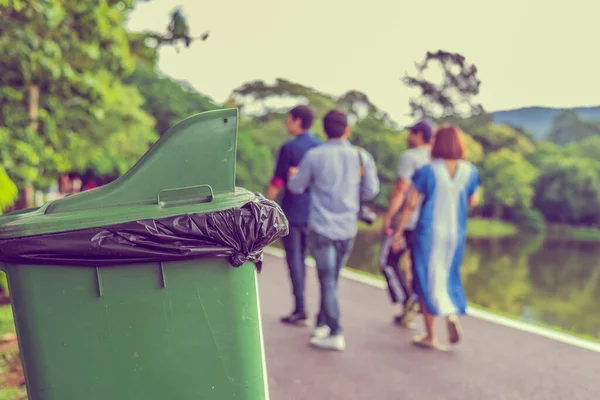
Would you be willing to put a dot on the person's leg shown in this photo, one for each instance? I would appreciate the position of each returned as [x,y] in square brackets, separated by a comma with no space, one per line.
[324,252]
[429,320]
[301,270]
[411,303]
[343,248]
[390,268]
[294,245]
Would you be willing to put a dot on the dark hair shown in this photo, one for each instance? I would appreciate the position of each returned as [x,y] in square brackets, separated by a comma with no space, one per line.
[335,123]
[305,113]
[425,127]
[449,143]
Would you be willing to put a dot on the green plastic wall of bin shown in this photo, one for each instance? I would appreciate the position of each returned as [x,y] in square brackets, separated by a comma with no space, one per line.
[173,330]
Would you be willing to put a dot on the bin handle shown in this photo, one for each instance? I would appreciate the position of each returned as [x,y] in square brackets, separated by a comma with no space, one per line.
[186,195]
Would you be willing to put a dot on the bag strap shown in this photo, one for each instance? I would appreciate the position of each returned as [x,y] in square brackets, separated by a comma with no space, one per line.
[360,159]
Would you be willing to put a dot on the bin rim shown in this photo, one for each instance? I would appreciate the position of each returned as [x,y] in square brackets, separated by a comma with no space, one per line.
[38,222]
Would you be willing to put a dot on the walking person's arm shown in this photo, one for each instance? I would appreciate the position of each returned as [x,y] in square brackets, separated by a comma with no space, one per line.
[418,188]
[301,178]
[473,189]
[280,176]
[398,193]
[411,204]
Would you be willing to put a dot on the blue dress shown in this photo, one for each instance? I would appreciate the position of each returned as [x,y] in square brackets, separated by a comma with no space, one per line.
[440,235]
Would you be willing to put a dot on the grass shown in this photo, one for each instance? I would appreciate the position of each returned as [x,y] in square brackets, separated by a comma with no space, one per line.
[8,352]
[480,228]
[7,324]
[477,228]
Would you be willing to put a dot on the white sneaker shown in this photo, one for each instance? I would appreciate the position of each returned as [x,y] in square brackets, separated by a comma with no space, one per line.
[336,342]
[321,331]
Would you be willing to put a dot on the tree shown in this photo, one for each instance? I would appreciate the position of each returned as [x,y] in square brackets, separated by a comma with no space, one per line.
[507,179]
[585,148]
[494,137]
[568,191]
[449,95]
[568,127]
[168,101]
[63,104]
[60,61]
[545,152]
[177,31]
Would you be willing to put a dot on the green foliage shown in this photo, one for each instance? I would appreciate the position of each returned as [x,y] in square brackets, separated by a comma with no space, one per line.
[587,148]
[112,147]
[7,324]
[8,190]
[493,137]
[507,178]
[545,152]
[63,104]
[66,101]
[479,228]
[568,127]
[529,220]
[568,191]
[165,99]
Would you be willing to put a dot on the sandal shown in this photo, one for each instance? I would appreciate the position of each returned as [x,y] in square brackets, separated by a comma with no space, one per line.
[423,342]
[454,329]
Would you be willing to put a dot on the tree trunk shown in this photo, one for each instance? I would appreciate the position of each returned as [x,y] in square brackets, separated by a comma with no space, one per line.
[33,107]
[26,193]
[498,211]
[26,197]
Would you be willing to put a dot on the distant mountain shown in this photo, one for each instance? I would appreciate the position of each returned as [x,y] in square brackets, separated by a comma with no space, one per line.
[538,120]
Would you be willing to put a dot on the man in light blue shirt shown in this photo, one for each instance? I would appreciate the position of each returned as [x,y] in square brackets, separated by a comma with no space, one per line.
[332,172]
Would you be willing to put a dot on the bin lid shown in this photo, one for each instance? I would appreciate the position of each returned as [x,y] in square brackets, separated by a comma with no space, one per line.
[190,169]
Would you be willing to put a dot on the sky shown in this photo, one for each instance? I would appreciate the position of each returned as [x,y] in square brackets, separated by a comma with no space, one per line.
[528,52]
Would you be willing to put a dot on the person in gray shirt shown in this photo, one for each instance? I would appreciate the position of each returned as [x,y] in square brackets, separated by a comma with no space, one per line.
[419,153]
[332,172]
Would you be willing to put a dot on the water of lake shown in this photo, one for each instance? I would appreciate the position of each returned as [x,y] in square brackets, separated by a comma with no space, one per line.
[552,281]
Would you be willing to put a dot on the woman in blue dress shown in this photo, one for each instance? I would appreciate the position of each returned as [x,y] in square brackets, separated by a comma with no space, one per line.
[447,188]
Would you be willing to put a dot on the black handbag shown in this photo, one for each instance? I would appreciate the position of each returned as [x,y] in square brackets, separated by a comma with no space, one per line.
[365,213]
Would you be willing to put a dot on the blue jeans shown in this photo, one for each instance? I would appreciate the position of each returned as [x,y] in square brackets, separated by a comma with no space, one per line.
[330,256]
[295,252]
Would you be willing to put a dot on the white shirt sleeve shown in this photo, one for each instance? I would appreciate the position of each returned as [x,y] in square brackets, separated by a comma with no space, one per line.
[406,166]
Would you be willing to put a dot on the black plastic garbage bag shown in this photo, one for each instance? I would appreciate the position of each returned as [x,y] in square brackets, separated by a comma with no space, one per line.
[240,234]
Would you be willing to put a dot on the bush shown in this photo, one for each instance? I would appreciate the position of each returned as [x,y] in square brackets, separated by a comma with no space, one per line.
[529,220]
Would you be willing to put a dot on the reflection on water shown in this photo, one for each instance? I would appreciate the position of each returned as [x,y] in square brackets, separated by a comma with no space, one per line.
[536,279]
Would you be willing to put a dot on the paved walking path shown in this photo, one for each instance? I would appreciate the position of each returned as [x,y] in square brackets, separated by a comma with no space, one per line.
[492,363]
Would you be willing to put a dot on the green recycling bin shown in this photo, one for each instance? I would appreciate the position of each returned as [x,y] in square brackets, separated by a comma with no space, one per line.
[146,288]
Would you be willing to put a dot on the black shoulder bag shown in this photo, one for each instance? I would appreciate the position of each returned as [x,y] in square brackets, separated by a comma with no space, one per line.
[365,213]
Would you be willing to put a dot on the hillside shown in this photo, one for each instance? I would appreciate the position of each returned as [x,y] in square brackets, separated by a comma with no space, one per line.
[538,120]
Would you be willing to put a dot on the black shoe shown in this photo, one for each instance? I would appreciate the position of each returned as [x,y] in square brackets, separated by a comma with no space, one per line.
[412,305]
[296,318]
[405,320]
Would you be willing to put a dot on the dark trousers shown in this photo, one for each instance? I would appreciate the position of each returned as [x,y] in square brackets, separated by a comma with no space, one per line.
[390,268]
[295,252]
